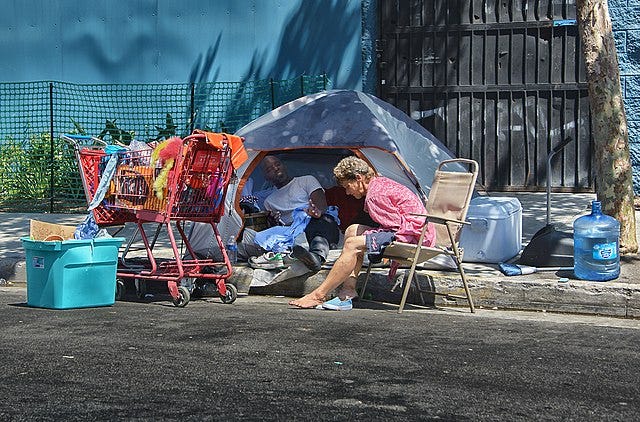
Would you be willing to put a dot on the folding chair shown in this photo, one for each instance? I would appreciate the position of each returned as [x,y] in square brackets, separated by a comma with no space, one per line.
[446,207]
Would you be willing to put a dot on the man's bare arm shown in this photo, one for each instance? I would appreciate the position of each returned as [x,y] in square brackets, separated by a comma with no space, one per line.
[317,203]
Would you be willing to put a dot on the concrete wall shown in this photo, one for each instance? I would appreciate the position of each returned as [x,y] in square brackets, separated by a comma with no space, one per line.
[178,41]
[625,18]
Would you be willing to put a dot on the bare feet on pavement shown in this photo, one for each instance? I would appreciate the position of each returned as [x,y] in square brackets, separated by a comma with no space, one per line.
[309,301]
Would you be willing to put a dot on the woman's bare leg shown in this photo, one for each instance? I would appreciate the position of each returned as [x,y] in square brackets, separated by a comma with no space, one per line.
[342,270]
[348,289]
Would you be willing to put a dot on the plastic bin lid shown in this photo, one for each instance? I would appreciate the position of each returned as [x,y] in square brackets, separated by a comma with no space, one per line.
[493,206]
[57,245]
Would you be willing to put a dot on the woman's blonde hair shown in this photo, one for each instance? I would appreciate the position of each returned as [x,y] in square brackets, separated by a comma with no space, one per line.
[348,168]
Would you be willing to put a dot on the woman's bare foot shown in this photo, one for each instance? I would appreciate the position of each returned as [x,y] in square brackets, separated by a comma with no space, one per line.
[309,301]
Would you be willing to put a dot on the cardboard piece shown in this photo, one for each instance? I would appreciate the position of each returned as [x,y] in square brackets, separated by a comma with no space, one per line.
[40,230]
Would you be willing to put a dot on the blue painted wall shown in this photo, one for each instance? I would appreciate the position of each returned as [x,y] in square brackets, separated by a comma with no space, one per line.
[625,18]
[178,41]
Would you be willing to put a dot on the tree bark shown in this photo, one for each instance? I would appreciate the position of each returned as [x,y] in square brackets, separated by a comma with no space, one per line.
[614,182]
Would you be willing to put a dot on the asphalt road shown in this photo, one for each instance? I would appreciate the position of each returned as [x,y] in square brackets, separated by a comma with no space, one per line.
[257,359]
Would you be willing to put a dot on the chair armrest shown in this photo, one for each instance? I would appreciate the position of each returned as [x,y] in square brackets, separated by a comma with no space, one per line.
[439,220]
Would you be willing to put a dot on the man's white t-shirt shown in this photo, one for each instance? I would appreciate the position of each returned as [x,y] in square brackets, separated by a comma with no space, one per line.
[294,194]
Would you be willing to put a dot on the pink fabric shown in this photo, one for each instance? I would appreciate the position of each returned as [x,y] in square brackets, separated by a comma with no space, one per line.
[389,204]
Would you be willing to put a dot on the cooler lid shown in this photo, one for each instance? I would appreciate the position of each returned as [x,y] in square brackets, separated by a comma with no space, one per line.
[493,207]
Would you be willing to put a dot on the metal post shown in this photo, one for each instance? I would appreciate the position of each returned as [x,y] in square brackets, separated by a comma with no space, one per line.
[51,171]
[273,94]
[193,106]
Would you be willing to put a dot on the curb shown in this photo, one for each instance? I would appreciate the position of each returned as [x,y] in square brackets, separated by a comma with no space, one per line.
[521,293]
[493,291]
[574,296]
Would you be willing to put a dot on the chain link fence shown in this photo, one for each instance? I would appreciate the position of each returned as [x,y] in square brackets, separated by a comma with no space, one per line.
[38,171]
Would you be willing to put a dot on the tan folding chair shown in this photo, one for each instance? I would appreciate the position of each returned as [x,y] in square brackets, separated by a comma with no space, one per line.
[447,207]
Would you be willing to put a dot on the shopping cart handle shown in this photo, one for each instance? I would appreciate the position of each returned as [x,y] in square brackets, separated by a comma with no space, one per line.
[76,140]
[75,136]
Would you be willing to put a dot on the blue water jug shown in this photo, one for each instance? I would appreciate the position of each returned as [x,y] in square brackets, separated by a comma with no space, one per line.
[595,246]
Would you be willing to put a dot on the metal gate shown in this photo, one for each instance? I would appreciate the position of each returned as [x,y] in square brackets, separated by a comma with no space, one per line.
[499,81]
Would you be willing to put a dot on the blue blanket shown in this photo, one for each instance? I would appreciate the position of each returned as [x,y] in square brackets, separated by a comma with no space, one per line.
[281,238]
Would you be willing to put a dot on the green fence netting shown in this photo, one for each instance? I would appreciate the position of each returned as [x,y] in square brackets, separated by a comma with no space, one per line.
[38,170]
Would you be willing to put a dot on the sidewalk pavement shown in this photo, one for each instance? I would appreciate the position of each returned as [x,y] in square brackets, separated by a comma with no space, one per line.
[542,291]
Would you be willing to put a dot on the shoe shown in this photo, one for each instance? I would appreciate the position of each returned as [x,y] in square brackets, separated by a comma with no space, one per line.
[267,261]
[288,259]
[336,304]
[309,259]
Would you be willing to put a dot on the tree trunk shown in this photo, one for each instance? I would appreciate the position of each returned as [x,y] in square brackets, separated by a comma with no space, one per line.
[614,183]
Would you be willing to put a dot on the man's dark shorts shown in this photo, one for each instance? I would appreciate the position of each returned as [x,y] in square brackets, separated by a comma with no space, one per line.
[326,227]
[376,242]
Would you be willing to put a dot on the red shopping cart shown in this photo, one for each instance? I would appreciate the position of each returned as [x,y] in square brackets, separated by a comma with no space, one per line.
[143,186]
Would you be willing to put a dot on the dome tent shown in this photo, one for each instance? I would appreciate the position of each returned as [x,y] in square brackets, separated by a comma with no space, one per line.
[314,132]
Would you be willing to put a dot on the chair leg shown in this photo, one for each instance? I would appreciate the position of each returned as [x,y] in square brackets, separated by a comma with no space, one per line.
[407,285]
[464,284]
[457,256]
[366,280]
[466,290]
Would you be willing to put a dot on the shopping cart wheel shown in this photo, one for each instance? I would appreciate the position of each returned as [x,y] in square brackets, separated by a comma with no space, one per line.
[119,289]
[232,294]
[183,297]
[141,288]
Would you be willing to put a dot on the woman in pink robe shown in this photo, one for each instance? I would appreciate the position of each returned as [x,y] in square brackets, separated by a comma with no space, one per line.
[389,204]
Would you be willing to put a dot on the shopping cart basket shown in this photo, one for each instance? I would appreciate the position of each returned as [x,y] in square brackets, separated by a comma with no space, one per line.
[92,159]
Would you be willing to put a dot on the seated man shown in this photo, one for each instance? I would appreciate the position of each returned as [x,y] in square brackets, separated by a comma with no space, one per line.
[303,192]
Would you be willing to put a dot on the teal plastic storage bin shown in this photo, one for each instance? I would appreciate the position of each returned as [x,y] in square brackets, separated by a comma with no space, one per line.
[72,273]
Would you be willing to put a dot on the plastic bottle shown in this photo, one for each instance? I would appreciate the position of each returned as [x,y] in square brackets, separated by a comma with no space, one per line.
[232,249]
[595,246]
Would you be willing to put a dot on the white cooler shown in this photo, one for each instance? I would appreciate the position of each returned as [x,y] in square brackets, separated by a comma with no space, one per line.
[495,232]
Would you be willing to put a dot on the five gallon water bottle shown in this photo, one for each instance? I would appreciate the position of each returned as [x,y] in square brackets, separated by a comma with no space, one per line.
[232,249]
[595,246]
